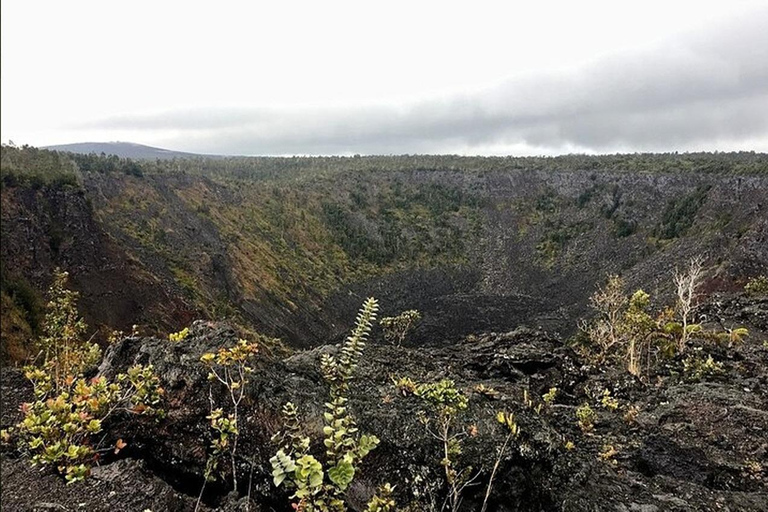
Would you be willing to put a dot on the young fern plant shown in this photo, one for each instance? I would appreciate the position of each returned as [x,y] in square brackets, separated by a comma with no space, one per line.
[317,486]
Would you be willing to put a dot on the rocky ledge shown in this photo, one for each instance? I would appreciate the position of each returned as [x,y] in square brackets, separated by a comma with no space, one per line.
[670,444]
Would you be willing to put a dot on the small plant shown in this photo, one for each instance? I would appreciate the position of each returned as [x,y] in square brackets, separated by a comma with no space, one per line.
[753,470]
[607,401]
[696,367]
[486,391]
[115,336]
[179,336]
[231,368]
[512,430]
[527,402]
[586,418]
[66,352]
[59,426]
[736,336]
[630,414]
[405,385]
[757,286]
[382,501]
[608,453]
[446,404]
[396,328]
[549,396]
[569,446]
[293,465]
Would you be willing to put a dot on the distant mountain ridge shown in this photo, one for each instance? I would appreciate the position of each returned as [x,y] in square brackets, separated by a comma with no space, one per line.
[124,150]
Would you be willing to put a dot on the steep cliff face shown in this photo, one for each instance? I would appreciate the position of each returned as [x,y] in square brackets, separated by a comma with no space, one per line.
[483,247]
[54,226]
[474,250]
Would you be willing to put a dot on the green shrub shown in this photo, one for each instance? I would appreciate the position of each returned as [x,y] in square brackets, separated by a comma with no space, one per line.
[586,418]
[319,487]
[66,352]
[230,367]
[680,213]
[69,409]
[59,425]
[396,328]
[757,286]
[446,404]
[696,367]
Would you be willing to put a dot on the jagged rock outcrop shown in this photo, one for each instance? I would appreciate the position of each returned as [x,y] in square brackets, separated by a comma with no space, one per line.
[692,444]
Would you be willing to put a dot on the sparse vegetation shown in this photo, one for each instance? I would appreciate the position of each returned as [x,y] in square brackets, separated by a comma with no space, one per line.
[396,328]
[586,418]
[446,404]
[625,328]
[279,238]
[696,367]
[680,213]
[757,286]
[231,368]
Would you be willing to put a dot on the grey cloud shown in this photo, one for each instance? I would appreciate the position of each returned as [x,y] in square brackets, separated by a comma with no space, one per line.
[710,86]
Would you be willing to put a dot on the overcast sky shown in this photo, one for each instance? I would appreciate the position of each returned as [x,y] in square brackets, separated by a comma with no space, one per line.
[326,77]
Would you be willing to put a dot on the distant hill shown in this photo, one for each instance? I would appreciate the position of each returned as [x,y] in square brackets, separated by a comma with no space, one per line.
[123,150]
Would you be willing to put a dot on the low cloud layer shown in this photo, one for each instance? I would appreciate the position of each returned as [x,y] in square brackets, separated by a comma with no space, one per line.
[696,92]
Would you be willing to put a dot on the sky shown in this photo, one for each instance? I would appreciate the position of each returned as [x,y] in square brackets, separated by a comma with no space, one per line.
[301,78]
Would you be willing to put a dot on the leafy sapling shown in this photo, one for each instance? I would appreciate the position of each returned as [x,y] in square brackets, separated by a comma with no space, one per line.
[66,353]
[608,302]
[59,425]
[318,486]
[446,404]
[230,367]
[586,418]
[68,410]
[396,328]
